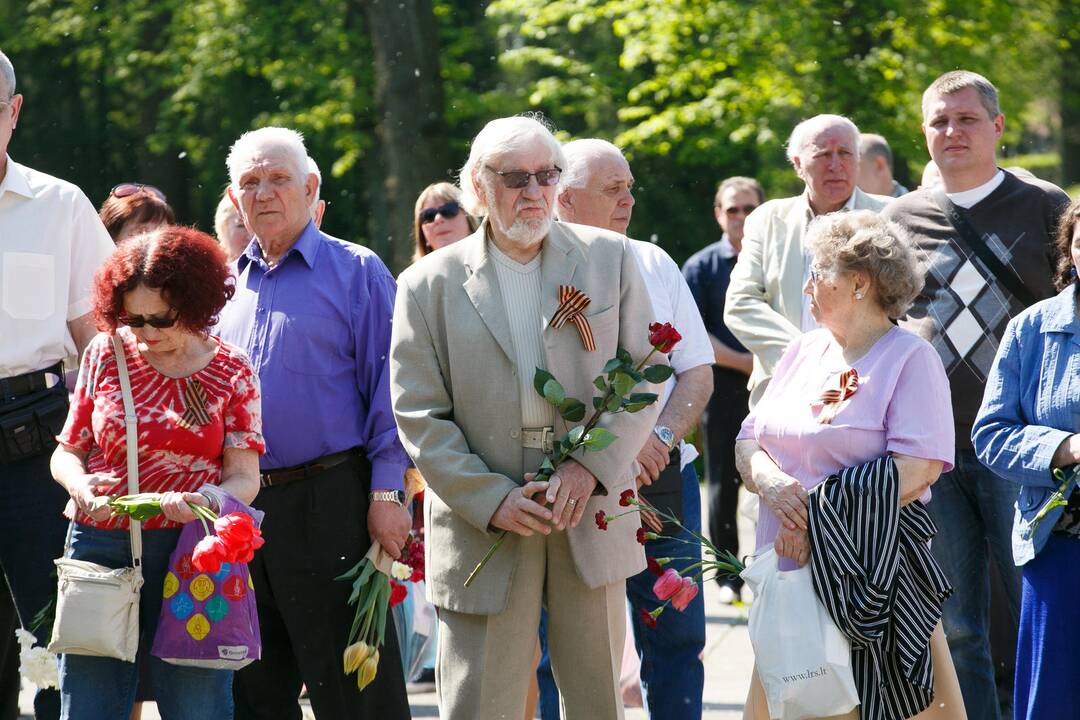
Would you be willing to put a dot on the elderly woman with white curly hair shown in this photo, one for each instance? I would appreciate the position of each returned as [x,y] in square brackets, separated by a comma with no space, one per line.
[855,390]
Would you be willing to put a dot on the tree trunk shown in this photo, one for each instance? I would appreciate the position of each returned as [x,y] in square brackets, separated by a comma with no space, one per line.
[411,129]
[1069,12]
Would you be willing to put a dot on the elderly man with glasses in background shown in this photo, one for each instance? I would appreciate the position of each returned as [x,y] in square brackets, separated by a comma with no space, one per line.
[471,324]
[51,243]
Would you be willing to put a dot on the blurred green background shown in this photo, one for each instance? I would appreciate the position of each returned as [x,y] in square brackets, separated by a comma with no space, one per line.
[389,92]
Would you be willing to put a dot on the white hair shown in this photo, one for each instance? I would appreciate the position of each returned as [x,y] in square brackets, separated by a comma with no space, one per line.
[805,131]
[7,77]
[313,169]
[253,142]
[579,154]
[499,137]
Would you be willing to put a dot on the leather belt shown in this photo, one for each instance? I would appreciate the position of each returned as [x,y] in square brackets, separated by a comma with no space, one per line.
[284,476]
[27,383]
[542,439]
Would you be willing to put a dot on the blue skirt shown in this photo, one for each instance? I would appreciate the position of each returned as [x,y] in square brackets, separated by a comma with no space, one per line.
[1048,647]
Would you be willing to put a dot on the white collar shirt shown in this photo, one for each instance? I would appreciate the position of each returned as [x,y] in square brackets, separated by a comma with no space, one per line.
[969,198]
[51,244]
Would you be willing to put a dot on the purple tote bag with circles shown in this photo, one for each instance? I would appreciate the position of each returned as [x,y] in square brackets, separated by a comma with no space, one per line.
[208,620]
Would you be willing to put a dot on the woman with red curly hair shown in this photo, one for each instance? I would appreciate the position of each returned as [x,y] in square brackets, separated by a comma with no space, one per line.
[199,426]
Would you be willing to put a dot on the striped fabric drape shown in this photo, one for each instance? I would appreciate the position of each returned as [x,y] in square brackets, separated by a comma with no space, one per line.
[873,571]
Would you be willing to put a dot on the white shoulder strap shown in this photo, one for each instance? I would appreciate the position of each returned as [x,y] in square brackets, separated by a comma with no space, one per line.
[131,443]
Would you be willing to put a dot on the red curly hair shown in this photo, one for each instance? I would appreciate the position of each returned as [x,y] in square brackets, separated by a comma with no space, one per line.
[187,266]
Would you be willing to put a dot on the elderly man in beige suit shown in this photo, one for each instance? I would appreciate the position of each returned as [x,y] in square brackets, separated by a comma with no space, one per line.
[471,324]
[765,306]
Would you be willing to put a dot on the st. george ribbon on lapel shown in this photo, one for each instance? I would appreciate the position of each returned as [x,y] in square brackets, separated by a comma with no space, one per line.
[572,302]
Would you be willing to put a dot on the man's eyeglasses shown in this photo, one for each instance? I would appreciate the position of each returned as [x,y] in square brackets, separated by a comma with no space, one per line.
[124,190]
[447,210]
[744,209]
[138,321]
[517,179]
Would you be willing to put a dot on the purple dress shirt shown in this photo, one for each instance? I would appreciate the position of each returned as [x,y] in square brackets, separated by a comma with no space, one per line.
[317,330]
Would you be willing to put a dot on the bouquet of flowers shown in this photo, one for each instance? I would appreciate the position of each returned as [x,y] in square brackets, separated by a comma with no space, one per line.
[672,587]
[378,585]
[620,377]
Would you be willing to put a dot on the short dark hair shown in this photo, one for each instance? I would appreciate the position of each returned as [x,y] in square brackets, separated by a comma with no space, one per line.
[872,144]
[141,208]
[739,182]
[186,265]
[957,80]
[1066,227]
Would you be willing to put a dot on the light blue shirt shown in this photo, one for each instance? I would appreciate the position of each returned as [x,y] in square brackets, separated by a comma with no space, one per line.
[1031,404]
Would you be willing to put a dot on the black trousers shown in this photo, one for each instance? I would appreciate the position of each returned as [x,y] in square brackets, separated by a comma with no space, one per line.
[315,530]
[725,412]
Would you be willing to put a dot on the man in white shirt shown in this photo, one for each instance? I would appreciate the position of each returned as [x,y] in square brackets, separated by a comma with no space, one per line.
[51,243]
[596,189]
[766,308]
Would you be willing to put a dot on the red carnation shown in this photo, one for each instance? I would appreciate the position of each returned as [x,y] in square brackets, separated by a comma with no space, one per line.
[663,337]
[647,618]
[397,593]
[208,554]
[654,567]
[625,497]
[642,535]
[686,593]
[601,520]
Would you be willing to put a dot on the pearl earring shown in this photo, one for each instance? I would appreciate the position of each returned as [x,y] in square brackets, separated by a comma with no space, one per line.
[858,296]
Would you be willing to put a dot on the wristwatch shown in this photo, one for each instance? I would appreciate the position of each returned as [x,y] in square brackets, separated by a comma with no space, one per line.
[666,436]
[394,496]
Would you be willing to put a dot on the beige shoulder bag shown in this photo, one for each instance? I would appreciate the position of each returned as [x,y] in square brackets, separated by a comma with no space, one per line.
[97,608]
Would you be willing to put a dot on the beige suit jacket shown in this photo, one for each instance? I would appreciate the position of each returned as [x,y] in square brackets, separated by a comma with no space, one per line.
[456,397]
[763,306]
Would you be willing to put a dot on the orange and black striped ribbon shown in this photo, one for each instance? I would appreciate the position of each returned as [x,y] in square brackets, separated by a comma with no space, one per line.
[572,302]
[196,412]
[831,400]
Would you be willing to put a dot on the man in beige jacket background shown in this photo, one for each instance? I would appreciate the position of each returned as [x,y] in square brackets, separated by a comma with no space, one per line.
[471,324]
[765,306]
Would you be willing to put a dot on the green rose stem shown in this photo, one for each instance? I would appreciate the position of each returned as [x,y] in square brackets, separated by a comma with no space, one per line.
[1057,499]
[546,472]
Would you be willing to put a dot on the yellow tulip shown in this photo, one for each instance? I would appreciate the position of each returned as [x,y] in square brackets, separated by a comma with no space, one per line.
[367,671]
[355,654]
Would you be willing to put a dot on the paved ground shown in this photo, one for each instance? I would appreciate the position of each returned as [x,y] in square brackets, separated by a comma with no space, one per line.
[728,662]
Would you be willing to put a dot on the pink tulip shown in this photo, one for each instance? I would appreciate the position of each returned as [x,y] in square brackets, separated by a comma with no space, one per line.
[667,584]
[687,592]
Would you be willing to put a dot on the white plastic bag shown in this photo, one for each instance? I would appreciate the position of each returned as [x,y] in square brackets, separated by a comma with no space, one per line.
[802,658]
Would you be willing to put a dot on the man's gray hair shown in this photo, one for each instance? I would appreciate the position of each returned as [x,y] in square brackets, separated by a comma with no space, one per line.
[499,137]
[805,130]
[957,80]
[252,142]
[313,168]
[874,145]
[739,182]
[7,78]
[578,155]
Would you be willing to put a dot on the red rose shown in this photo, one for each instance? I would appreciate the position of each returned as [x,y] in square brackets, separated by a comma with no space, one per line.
[208,554]
[669,583]
[686,593]
[654,567]
[642,535]
[397,593]
[601,520]
[663,337]
[625,497]
[647,618]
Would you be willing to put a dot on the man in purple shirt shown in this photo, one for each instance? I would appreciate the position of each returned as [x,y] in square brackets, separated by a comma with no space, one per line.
[313,312]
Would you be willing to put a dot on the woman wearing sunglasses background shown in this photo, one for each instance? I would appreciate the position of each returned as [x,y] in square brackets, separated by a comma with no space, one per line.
[133,208]
[440,220]
[199,424]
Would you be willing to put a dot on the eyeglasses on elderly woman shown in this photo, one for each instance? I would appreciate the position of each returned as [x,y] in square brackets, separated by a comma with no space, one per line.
[128,189]
[447,210]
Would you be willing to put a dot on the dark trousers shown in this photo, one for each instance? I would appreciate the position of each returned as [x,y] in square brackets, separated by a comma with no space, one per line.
[9,660]
[315,530]
[723,416]
[32,530]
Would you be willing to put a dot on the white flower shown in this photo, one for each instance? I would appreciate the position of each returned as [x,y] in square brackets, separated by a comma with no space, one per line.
[36,664]
[400,571]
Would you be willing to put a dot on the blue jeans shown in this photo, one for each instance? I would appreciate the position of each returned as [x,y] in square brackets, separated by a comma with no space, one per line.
[973,510]
[96,688]
[672,675]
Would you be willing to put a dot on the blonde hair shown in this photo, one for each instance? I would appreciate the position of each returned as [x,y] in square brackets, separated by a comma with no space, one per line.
[445,192]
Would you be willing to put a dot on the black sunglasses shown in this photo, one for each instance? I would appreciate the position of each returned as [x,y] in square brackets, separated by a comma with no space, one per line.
[449,210]
[517,179]
[138,321]
[124,190]
[746,209]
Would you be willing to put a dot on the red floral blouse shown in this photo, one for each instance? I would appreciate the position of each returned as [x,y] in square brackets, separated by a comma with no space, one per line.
[184,424]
